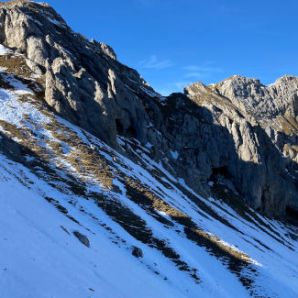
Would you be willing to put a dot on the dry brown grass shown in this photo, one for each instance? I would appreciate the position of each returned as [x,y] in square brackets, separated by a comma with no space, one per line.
[91,164]
[15,65]
[56,147]
[218,246]
[149,201]
[86,161]
[14,131]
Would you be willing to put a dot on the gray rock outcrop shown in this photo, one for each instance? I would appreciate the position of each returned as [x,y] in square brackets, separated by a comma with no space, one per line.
[239,134]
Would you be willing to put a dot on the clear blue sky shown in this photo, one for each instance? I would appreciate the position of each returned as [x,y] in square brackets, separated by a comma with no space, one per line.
[176,42]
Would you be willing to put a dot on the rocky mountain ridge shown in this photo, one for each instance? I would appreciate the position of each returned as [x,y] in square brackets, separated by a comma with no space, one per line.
[83,82]
[112,190]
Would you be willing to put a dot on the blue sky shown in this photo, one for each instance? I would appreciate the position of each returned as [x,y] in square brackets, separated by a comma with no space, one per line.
[175,42]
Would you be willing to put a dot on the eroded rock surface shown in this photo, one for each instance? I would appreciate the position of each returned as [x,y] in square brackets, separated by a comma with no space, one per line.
[237,136]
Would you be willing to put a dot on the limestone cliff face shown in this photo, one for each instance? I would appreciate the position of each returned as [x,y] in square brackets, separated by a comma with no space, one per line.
[252,97]
[237,138]
[253,163]
[275,108]
[81,79]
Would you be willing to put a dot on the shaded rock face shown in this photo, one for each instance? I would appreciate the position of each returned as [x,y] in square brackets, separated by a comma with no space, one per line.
[238,149]
[219,137]
[275,108]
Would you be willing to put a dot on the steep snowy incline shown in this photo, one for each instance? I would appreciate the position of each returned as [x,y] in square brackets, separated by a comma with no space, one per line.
[40,256]
[78,219]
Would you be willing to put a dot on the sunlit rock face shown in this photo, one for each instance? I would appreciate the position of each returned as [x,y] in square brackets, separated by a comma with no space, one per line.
[238,135]
[109,189]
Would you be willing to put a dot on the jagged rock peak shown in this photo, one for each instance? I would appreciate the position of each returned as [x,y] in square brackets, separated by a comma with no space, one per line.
[23,19]
[238,81]
[82,81]
[243,79]
[285,80]
[247,108]
[197,87]
[262,101]
[201,135]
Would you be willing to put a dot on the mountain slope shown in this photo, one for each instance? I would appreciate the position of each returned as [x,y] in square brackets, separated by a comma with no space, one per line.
[81,81]
[144,208]
[111,190]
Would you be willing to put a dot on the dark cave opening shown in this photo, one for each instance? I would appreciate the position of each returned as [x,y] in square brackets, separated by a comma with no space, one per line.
[129,132]
[119,127]
[292,215]
[221,171]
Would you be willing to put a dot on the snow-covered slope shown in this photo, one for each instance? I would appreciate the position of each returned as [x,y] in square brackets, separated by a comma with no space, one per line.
[78,219]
